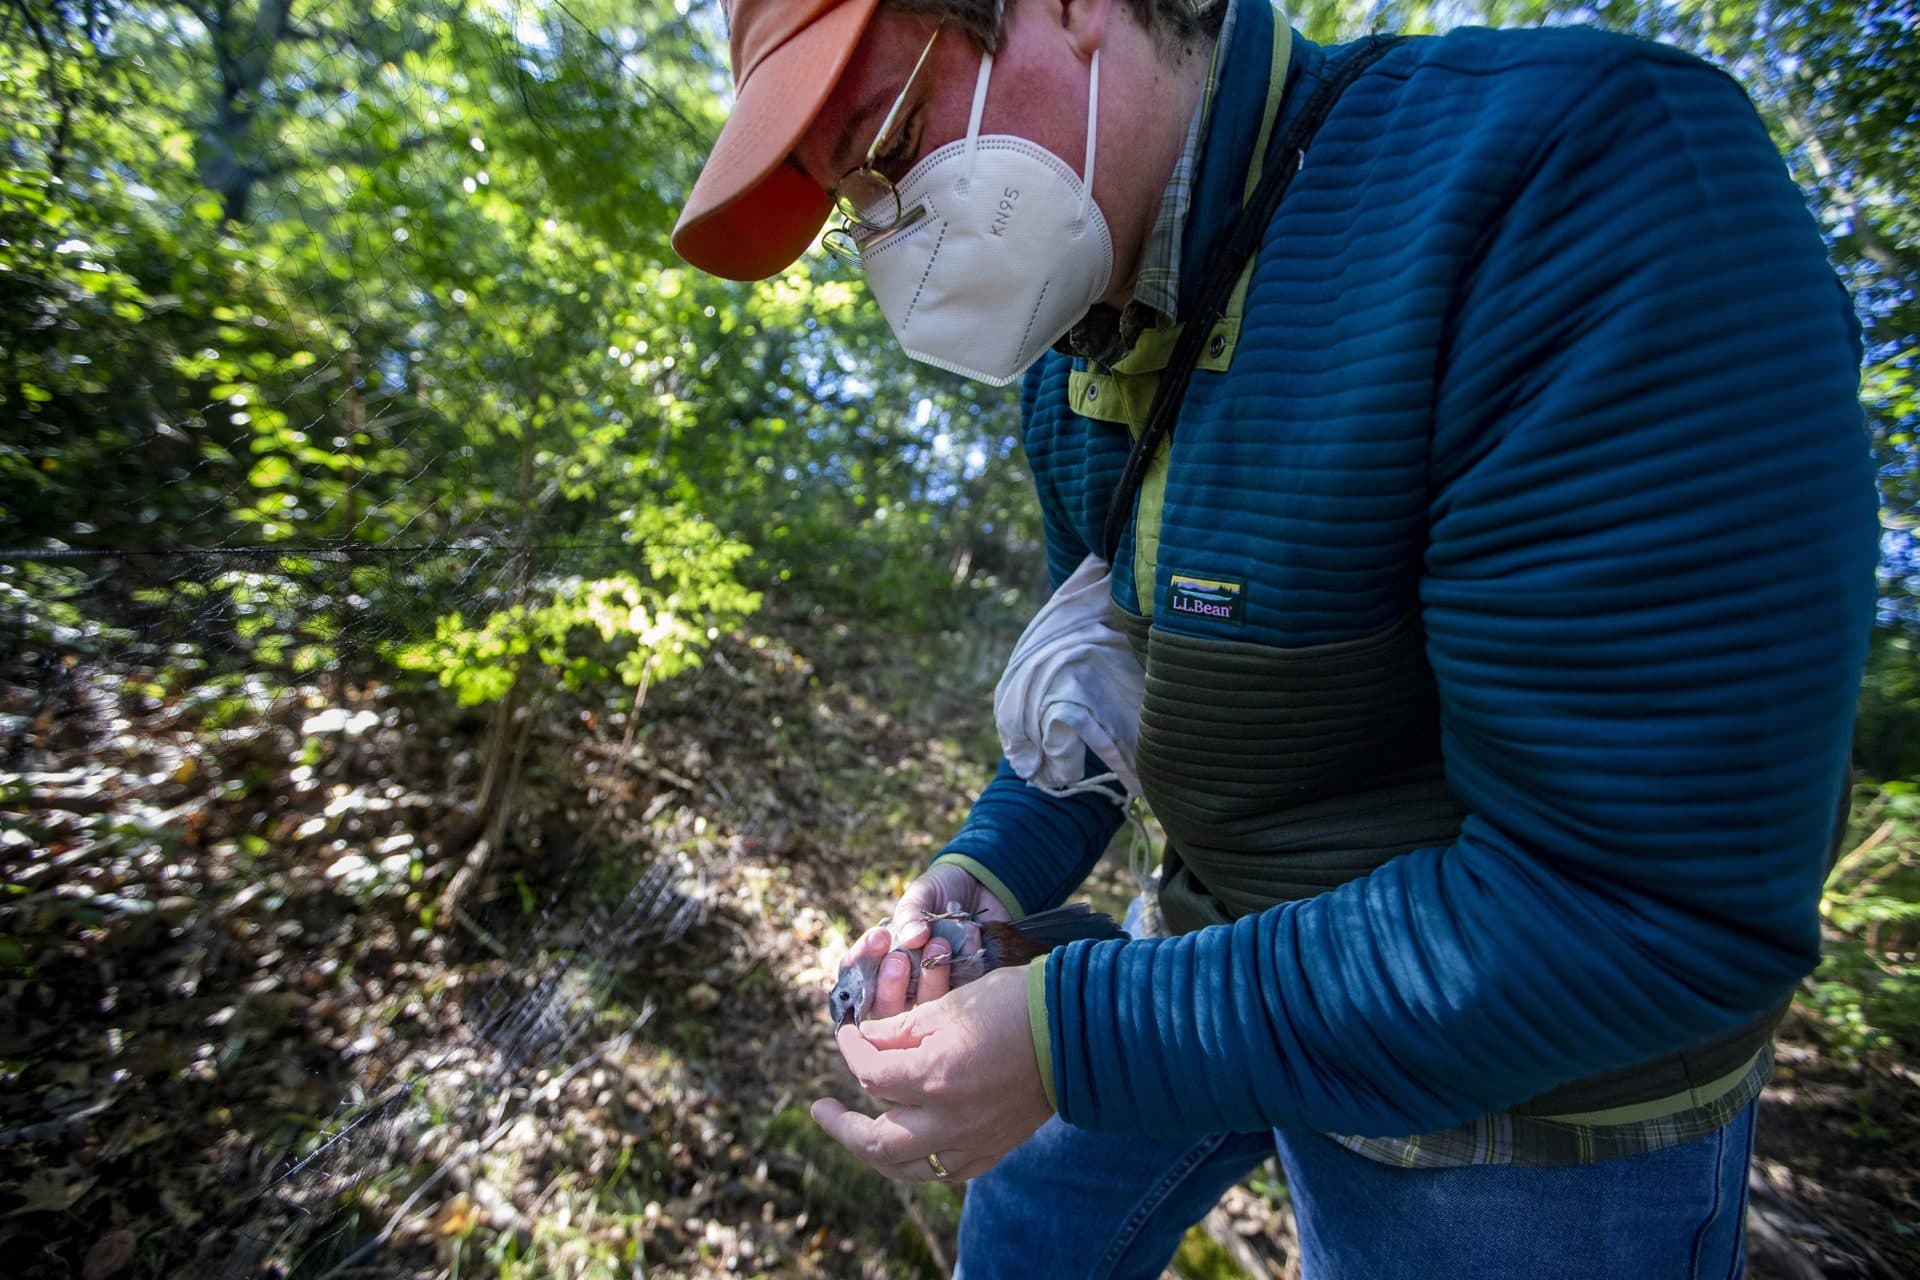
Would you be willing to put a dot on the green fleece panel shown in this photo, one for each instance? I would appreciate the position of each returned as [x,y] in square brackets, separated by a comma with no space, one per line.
[1658,1108]
[1276,90]
[1042,1029]
[1281,773]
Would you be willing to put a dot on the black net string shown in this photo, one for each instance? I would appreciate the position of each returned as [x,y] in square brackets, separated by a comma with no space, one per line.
[226,805]
[527,1038]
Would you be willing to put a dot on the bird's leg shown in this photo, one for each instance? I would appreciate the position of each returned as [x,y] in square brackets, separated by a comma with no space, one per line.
[939,962]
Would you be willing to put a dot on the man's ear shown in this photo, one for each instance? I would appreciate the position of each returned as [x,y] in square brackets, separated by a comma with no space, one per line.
[1085,23]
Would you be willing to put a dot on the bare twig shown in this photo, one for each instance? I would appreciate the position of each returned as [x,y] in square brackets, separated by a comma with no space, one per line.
[1860,851]
[477,1147]
[620,760]
[919,1221]
[479,932]
[474,1148]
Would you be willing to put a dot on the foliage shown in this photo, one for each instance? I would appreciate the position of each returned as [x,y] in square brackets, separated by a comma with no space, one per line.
[394,283]
[646,629]
[42,611]
[301,277]
[1887,734]
[1866,994]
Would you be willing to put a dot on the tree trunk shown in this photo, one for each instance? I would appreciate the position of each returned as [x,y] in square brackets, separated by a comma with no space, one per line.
[508,733]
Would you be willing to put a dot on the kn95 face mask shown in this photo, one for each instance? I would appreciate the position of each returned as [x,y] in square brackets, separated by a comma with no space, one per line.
[998,251]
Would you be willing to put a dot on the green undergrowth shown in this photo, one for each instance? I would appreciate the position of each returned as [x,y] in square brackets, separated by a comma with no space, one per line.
[1865,996]
[1200,1257]
[899,1226]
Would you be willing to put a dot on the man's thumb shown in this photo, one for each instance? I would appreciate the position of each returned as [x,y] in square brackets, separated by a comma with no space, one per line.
[909,926]
[902,1031]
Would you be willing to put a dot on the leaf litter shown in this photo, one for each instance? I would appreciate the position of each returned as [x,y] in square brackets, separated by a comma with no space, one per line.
[237,1040]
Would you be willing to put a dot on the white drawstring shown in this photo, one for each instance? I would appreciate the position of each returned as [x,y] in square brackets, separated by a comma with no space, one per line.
[1096,784]
[1143,914]
[1140,845]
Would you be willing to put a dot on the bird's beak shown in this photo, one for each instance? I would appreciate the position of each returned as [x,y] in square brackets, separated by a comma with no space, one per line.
[840,1019]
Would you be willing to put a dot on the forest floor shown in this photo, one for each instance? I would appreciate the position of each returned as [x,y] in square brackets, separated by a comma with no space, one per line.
[242,1034]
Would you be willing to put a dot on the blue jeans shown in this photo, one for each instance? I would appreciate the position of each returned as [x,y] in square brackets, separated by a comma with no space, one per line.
[1071,1203]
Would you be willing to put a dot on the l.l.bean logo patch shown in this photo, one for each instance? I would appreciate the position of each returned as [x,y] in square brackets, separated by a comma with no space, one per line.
[1220,599]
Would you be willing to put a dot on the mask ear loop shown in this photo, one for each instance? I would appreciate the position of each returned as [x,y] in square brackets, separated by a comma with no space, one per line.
[973,120]
[1093,118]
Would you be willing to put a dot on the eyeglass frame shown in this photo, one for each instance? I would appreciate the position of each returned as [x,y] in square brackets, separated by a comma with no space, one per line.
[840,240]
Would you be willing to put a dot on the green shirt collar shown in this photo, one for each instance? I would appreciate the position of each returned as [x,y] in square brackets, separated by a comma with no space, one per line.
[1106,334]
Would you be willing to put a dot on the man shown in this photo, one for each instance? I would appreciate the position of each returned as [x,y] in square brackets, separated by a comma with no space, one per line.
[1502,592]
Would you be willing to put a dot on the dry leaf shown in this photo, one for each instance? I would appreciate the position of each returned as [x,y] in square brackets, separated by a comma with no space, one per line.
[50,1191]
[459,1217]
[109,1255]
[177,1207]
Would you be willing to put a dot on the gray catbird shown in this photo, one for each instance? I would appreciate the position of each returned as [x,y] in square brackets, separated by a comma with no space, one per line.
[999,944]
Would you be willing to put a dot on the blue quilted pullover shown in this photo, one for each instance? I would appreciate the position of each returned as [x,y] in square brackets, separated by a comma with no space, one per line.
[1542,345]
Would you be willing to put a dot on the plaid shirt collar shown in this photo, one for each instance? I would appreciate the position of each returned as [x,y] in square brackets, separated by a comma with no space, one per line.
[1105,334]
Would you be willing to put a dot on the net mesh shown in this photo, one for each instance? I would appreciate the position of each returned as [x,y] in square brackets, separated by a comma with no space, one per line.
[367,463]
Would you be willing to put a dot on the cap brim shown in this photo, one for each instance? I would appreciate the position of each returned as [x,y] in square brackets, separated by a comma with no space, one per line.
[751,214]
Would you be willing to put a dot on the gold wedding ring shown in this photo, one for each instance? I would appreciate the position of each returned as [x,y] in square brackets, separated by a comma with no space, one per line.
[939,1170]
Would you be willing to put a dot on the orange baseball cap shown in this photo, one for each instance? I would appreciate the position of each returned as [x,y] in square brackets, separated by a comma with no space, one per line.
[751,213]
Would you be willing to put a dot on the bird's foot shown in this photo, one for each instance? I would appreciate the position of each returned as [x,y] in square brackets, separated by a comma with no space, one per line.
[941,962]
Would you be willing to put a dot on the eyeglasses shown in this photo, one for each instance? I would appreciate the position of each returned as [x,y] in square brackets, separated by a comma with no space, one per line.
[867,200]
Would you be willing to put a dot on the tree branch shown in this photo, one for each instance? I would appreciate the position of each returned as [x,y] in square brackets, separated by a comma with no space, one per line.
[63,130]
[1873,246]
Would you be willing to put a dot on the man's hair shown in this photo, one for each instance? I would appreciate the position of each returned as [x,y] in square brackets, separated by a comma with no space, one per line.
[1177,26]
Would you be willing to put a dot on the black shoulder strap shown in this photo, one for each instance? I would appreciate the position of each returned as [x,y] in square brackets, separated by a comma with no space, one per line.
[1289,153]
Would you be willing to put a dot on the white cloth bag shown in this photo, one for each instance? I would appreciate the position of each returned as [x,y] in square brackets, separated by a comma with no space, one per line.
[1073,683]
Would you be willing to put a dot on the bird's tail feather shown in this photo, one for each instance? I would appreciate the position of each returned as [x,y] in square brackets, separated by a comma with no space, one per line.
[1071,923]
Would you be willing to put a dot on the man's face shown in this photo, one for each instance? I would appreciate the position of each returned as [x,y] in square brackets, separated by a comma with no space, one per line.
[1039,92]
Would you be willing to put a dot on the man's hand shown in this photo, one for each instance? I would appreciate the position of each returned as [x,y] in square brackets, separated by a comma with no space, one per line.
[961,1076]
[908,931]
[930,894]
